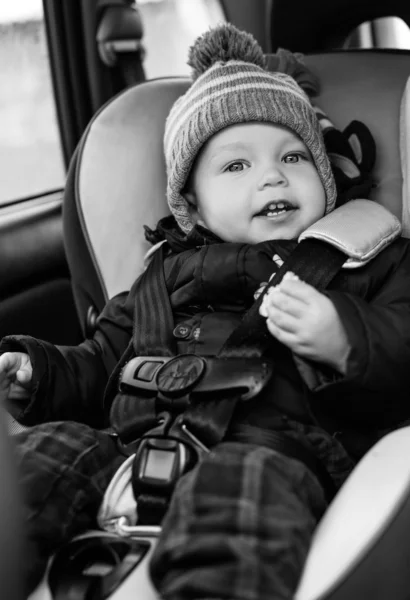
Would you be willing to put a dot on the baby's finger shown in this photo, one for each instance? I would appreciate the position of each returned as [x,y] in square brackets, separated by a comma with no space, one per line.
[18,392]
[286,303]
[282,320]
[282,335]
[8,363]
[23,377]
[298,289]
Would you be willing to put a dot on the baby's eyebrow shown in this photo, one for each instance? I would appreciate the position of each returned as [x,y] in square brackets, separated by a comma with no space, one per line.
[232,146]
[229,147]
[293,141]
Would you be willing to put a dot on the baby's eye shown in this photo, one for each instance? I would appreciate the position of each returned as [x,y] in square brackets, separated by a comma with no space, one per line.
[294,157]
[236,166]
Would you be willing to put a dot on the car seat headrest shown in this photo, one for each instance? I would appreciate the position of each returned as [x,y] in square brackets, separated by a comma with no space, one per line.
[120,180]
[368,86]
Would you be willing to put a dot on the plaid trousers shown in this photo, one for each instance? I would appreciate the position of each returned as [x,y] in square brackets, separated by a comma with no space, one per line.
[64,470]
[240,523]
[238,527]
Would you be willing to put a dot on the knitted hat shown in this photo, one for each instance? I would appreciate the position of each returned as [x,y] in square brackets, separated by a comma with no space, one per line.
[231,85]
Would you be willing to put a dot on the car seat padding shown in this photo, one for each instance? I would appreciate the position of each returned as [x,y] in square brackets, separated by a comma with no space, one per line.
[121,179]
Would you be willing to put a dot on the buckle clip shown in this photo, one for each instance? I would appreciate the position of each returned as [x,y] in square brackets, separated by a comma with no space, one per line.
[139,374]
[164,454]
[158,464]
[172,376]
[195,376]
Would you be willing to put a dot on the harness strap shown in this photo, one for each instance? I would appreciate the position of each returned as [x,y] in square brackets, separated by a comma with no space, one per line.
[132,416]
[153,318]
[208,420]
[316,263]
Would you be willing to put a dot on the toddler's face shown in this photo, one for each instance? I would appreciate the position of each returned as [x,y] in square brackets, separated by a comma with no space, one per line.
[254,182]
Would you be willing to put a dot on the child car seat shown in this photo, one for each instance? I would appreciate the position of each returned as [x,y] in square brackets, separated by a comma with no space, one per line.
[116,181]
[116,184]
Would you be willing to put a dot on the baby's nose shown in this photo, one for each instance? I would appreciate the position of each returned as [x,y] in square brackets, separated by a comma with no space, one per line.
[271,177]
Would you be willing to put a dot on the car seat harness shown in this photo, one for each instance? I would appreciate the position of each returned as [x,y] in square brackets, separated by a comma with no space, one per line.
[170,408]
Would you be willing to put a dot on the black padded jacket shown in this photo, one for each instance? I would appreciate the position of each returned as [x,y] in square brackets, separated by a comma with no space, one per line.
[210,286]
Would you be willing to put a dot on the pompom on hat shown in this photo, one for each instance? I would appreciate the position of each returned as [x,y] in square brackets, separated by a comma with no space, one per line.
[231,85]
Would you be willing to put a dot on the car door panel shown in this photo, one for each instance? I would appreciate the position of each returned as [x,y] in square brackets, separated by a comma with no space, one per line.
[35,288]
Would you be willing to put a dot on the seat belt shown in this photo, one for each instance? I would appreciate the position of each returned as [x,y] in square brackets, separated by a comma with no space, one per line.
[171,409]
[119,35]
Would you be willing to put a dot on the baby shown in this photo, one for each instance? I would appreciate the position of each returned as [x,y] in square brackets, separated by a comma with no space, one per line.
[247,173]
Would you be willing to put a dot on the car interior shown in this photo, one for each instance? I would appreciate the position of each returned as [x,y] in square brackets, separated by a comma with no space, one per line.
[115,185]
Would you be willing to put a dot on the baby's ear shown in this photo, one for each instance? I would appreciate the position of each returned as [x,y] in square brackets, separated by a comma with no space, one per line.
[190,197]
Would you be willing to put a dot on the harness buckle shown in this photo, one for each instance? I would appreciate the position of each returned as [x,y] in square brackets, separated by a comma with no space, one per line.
[196,376]
[163,455]
[139,374]
[158,464]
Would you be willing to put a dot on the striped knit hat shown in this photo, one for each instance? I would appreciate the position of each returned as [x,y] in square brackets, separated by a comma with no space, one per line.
[231,85]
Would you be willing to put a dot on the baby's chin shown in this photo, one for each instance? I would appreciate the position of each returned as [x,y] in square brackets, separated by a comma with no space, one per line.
[288,229]
[257,233]
[275,233]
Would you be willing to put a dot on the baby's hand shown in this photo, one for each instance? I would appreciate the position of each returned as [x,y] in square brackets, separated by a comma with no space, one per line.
[306,321]
[16,375]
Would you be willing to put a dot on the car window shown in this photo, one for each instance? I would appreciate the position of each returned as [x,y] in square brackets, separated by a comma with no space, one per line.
[31,160]
[170,27]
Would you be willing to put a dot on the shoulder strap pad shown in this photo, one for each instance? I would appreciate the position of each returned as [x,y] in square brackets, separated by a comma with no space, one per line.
[360,229]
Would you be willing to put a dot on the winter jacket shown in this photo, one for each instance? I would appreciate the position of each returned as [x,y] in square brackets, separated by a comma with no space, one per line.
[210,286]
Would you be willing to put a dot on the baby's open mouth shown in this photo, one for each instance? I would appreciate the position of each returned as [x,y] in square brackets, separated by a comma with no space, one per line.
[273,209]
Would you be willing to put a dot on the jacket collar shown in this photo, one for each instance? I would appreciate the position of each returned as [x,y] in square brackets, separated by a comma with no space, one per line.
[168,229]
